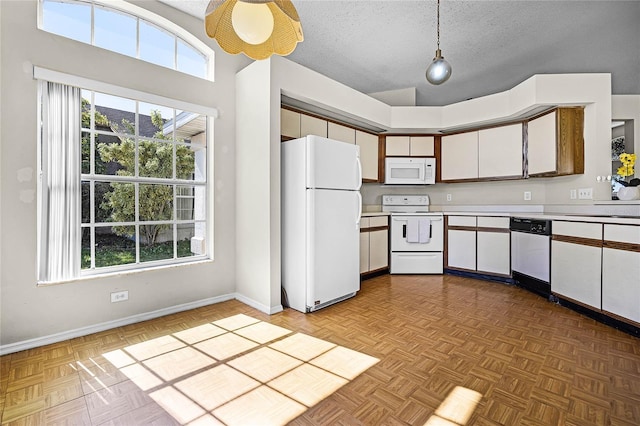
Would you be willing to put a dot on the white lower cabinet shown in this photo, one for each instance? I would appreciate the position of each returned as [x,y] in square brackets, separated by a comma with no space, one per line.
[621,271]
[481,244]
[374,243]
[576,262]
[364,248]
[461,242]
[461,248]
[494,252]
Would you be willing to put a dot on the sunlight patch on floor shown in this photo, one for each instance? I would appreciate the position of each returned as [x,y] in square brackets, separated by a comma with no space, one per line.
[238,371]
[456,409]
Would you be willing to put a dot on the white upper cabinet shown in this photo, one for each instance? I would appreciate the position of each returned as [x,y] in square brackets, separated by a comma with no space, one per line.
[459,159]
[341,133]
[500,151]
[312,126]
[368,144]
[422,146]
[410,146]
[289,123]
[542,155]
[397,145]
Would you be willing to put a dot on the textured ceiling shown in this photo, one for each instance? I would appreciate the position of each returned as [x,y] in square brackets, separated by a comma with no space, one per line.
[492,46]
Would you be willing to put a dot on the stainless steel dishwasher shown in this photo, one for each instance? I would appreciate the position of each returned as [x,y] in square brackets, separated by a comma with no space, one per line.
[531,254]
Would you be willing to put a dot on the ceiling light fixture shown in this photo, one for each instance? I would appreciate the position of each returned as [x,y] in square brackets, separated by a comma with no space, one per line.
[439,70]
[257,28]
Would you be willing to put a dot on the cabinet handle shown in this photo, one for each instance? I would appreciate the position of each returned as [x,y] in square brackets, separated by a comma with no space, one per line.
[404,231]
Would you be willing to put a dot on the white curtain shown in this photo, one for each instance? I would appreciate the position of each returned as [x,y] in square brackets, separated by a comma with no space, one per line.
[61,161]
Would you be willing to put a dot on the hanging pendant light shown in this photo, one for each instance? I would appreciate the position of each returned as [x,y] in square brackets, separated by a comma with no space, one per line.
[257,28]
[439,70]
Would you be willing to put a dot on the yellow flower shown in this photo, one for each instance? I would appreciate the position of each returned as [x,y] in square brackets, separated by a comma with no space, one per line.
[628,161]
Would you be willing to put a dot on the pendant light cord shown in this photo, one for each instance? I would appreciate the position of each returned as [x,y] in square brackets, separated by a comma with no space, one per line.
[438,25]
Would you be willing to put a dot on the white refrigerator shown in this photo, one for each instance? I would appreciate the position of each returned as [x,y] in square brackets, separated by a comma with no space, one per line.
[321,209]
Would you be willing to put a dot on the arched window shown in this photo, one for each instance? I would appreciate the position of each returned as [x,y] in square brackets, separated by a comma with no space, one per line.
[129,30]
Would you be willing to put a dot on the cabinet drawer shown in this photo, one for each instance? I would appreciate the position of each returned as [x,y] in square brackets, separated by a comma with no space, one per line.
[417,263]
[376,221]
[577,229]
[493,222]
[622,233]
[365,222]
[462,221]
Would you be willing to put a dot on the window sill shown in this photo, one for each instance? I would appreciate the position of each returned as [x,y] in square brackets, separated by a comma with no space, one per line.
[122,273]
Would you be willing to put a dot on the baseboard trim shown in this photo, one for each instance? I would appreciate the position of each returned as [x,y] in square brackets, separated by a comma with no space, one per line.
[83,331]
[259,306]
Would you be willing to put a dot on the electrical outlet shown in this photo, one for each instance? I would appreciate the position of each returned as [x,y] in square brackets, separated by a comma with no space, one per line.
[527,195]
[585,193]
[119,296]
[573,194]
[449,197]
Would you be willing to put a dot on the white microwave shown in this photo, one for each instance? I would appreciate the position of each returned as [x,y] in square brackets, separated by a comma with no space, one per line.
[409,171]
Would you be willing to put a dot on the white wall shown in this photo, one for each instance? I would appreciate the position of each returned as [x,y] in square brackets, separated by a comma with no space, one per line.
[32,312]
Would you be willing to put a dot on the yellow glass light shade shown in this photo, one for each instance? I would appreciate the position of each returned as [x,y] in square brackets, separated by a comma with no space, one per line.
[232,36]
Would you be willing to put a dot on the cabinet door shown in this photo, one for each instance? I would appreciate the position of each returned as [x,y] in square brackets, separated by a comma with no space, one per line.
[459,156]
[397,145]
[541,151]
[421,146]
[500,151]
[576,261]
[312,126]
[364,252]
[368,144]
[576,272]
[341,133]
[461,249]
[289,123]
[494,254]
[378,249]
[621,271]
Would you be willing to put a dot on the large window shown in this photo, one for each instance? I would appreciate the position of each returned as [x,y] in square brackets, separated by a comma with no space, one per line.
[124,183]
[123,32]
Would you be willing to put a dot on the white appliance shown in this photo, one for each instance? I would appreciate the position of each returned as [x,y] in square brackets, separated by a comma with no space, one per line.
[321,209]
[417,236]
[409,171]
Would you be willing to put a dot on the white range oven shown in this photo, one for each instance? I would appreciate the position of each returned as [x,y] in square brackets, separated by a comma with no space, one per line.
[417,235]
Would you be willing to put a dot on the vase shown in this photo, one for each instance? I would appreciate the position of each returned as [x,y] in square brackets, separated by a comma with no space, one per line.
[627,193]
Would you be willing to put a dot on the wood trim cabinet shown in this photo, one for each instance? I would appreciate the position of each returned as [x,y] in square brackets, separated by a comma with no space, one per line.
[621,271]
[500,152]
[338,132]
[410,146]
[479,244]
[374,244]
[555,143]
[295,124]
[459,157]
[369,155]
[576,262]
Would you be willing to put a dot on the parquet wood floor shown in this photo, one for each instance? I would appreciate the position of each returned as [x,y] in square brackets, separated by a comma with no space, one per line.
[532,362]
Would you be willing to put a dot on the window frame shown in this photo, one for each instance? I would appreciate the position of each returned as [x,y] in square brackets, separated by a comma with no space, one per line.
[44,75]
[150,18]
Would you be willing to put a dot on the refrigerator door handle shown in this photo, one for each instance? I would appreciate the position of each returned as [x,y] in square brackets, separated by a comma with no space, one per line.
[359,174]
[359,208]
